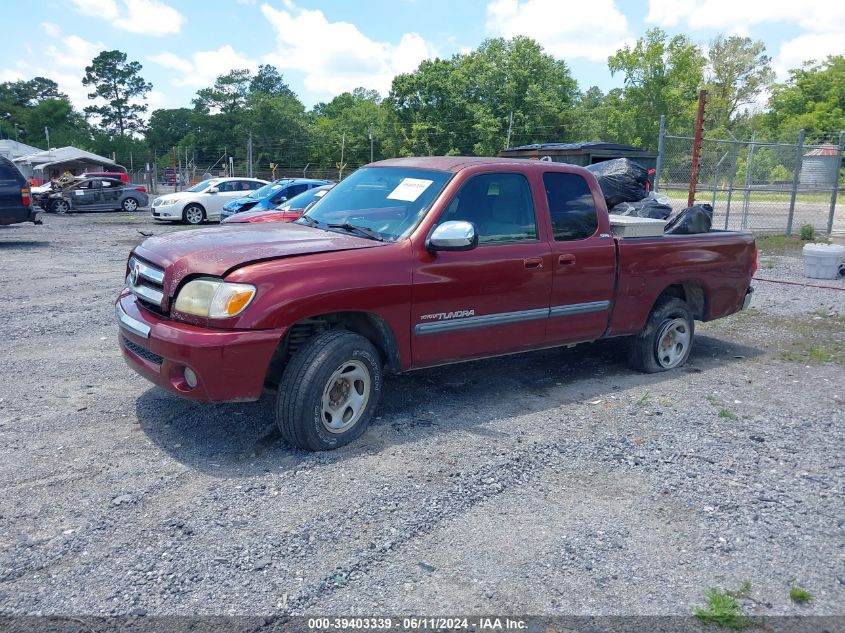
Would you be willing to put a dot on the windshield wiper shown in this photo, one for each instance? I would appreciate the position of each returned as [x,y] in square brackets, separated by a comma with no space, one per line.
[360,230]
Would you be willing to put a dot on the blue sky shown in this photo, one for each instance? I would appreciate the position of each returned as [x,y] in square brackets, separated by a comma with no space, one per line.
[324,47]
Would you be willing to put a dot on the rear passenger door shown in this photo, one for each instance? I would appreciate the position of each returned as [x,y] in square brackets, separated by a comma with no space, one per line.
[584,261]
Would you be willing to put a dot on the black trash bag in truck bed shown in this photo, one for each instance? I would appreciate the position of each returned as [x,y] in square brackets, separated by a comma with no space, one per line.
[695,219]
[621,180]
[652,207]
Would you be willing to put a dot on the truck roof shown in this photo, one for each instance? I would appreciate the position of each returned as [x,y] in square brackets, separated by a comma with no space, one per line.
[457,163]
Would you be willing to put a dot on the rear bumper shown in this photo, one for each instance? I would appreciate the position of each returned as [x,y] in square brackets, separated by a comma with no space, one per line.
[230,365]
[21,214]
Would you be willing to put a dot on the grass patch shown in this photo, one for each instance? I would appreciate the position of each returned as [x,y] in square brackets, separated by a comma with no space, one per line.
[728,415]
[723,609]
[643,399]
[778,243]
[815,340]
[799,595]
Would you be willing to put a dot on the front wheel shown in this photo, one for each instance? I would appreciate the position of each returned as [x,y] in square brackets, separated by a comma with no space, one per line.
[666,341]
[60,206]
[329,391]
[193,214]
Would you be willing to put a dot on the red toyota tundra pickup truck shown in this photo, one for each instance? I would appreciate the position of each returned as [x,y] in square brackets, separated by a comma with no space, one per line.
[411,263]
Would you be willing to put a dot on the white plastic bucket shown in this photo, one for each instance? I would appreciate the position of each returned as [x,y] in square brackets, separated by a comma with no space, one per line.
[821,261]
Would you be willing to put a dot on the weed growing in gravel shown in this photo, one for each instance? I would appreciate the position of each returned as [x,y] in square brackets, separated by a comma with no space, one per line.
[723,609]
[808,232]
[799,595]
[713,400]
[728,415]
[643,400]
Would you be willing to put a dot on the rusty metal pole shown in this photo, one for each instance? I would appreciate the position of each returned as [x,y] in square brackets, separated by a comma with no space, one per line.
[696,146]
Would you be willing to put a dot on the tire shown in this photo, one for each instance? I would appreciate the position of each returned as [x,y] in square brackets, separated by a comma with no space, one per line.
[60,206]
[193,214]
[666,341]
[317,376]
[129,205]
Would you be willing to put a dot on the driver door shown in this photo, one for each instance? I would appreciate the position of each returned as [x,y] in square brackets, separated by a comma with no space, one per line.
[493,299]
[85,195]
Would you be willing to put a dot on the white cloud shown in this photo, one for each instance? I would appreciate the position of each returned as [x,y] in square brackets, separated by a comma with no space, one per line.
[810,46]
[64,62]
[569,30]
[203,67]
[822,23]
[337,56]
[150,17]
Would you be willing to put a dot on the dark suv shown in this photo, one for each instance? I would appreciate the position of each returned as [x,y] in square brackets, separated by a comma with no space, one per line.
[15,199]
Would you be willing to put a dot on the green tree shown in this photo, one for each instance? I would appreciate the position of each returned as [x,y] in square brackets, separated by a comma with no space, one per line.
[227,95]
[813,99]
[738,71]
[269,81]
[167,127]
[662,77]
[119,82]
[504,92]
[28,107]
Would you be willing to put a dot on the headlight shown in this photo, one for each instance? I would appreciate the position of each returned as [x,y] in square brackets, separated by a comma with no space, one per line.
[213,299]
[168,201]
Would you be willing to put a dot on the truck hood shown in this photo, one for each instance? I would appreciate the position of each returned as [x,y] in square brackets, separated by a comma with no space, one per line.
[217,250]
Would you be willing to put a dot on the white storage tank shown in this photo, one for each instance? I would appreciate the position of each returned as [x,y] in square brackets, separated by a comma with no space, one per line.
[821,261]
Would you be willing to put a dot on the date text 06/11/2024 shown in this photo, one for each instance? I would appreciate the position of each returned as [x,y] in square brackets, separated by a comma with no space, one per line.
[416,624]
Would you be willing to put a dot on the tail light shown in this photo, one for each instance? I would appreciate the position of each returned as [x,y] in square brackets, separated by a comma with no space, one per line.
[140,188]
[754,267]
[26,199]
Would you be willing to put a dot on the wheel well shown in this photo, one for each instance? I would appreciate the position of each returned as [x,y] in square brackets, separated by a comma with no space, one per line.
[370,326]
[194,204]
[692,293]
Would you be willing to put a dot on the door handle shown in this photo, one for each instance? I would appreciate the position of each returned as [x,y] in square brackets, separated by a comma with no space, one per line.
[533,262]
[566,260]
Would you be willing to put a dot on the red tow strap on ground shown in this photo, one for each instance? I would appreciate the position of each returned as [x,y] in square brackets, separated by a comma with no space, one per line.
[797,283]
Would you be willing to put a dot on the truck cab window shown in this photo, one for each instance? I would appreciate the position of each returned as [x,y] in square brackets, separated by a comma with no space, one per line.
[571,205]
[500,207]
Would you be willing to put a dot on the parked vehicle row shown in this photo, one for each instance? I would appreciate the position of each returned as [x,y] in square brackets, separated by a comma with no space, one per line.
[286,212]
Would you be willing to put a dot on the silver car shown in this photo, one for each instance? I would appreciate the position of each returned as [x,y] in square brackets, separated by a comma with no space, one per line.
[97,194]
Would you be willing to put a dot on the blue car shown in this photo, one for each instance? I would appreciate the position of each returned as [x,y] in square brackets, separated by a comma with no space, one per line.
[270,196]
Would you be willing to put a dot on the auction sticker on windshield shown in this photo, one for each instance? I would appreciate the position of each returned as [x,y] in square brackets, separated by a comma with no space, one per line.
[409,189]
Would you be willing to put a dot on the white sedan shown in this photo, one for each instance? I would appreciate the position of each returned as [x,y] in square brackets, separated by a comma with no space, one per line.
[204,200]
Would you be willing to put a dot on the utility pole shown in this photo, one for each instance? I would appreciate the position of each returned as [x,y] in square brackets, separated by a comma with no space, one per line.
[510,127]
[696,147]
[341,164]
[371,147]
[249,155]
[46,133]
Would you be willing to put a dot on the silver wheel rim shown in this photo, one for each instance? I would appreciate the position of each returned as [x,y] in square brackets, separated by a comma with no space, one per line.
[60,207]
[129,204]
[672,342]
[345,397]
[193,215]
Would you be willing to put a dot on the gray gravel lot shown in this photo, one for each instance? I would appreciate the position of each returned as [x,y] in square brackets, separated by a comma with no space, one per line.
[556,482]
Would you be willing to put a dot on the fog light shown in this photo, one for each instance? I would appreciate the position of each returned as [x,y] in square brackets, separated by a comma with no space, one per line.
[190,377]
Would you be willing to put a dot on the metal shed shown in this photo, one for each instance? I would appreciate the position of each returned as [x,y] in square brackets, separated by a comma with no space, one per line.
[583,154]
[42,165]
[819,167]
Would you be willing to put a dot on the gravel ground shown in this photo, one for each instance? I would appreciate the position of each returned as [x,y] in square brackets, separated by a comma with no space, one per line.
[556,482]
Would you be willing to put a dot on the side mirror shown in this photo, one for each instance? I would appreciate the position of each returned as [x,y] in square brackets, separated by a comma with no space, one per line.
[453,236]
[213,190]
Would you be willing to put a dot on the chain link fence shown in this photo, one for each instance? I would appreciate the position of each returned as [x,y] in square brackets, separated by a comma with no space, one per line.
[759,186]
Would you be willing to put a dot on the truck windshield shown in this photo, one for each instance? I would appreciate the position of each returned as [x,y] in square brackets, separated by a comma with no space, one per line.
[386,201]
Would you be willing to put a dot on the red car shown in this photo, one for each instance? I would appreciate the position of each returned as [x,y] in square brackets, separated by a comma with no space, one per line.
[117,175]
[287,212]
[410,263]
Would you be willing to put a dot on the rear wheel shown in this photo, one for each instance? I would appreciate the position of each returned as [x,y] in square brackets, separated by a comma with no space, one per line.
[60,206]
[129,204]
[329,391]
[666,341]
[193,214]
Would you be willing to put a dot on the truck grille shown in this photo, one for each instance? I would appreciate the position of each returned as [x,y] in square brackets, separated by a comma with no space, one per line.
[143,353]
[146,282]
